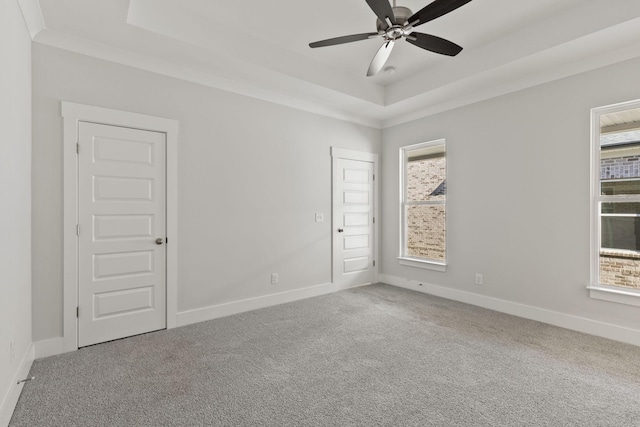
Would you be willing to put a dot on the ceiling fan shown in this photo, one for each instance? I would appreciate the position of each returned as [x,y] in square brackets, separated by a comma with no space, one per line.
[397,22]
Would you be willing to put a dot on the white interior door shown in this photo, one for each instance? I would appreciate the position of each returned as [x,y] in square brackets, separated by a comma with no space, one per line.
[121,232]
[353,223]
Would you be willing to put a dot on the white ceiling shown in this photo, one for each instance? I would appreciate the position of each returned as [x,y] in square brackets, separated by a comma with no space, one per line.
[260,48]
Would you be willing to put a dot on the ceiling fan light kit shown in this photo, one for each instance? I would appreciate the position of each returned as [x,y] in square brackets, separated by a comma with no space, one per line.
[397,22]
[401,14]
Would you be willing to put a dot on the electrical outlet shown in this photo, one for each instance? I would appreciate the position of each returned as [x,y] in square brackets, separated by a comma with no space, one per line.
[274,278]
[12,349]
[478,279]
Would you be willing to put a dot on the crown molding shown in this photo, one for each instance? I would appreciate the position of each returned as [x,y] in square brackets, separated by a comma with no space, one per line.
[32,15]
[253,58]
[607,47]
[158,66]
[612,44]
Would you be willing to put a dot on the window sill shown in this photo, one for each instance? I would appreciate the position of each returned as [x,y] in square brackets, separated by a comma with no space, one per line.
[615,294]
[422,263]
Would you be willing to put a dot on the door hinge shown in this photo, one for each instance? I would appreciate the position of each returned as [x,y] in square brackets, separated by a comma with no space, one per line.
[374,176]
[77,311]
[77,229]
[374,262]
[77,148]
[166,240]
[374,219]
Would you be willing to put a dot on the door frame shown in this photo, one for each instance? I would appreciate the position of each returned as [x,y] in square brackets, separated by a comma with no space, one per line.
[343,153]
[72,114]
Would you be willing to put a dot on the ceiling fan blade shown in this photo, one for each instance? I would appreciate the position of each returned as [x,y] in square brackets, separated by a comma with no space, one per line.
[434,44]
[383,10]
[343,39]
[381,58]
[435,10]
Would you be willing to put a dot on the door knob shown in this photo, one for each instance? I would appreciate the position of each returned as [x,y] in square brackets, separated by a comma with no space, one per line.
[340,230]
[159,241]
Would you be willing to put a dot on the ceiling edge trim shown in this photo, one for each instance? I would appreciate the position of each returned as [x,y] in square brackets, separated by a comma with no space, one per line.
[459,94]
[146,63]
[32,15]
[250,64]
[488,89]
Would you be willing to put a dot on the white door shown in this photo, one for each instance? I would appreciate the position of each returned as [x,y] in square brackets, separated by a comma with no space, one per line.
[121,229]
[353,223]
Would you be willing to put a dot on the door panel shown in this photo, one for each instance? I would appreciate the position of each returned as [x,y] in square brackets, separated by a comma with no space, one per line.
[123,301]
[356,242]
[107,227]
[122,189]
[110,149]
[122,264]
[356,264]
[355,197]
[353,223]
[121,269]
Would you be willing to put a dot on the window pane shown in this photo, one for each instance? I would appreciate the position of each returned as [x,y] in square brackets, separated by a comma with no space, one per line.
[619,226]
[621,232]
[426,231]
[621,208]
[620,244]
[616,188]
[619,168]
[426,178]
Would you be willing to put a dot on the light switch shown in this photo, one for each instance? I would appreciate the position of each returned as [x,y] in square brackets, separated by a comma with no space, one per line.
[319,217]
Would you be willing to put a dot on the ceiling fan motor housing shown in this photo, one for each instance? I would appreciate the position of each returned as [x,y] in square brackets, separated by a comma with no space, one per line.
[395,26]
[402,15]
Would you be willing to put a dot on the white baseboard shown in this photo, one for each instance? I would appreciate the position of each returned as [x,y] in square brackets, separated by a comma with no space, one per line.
[11,397]
[49,347]
[567,321]
[216,311]
[54,346]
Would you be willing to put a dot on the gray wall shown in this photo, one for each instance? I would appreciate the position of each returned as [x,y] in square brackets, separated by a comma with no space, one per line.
[518,193]
[251,176]
[15,193]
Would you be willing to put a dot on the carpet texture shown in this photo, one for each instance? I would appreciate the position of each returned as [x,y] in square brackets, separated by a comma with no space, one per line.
[375,355]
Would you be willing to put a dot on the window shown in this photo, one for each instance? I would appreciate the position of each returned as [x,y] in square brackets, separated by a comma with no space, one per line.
[616,203]
[423,205]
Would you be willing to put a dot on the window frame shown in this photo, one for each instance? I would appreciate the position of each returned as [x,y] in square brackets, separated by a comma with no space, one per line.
[596,289]
[411,261]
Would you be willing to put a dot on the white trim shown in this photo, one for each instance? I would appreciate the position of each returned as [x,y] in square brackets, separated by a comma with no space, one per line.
[615,294]
[594,182]
[221,310]
[32,15]
[244,86]
[49,347]
[72,114]
[10,399]
[403,159]
[597,290]
[567,321]
[108,116]
[70,244]
[343,153]
[422,263]
[54,346]
[615,44]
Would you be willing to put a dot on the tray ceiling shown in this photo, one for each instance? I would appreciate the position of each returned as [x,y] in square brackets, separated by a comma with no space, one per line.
[260,49]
